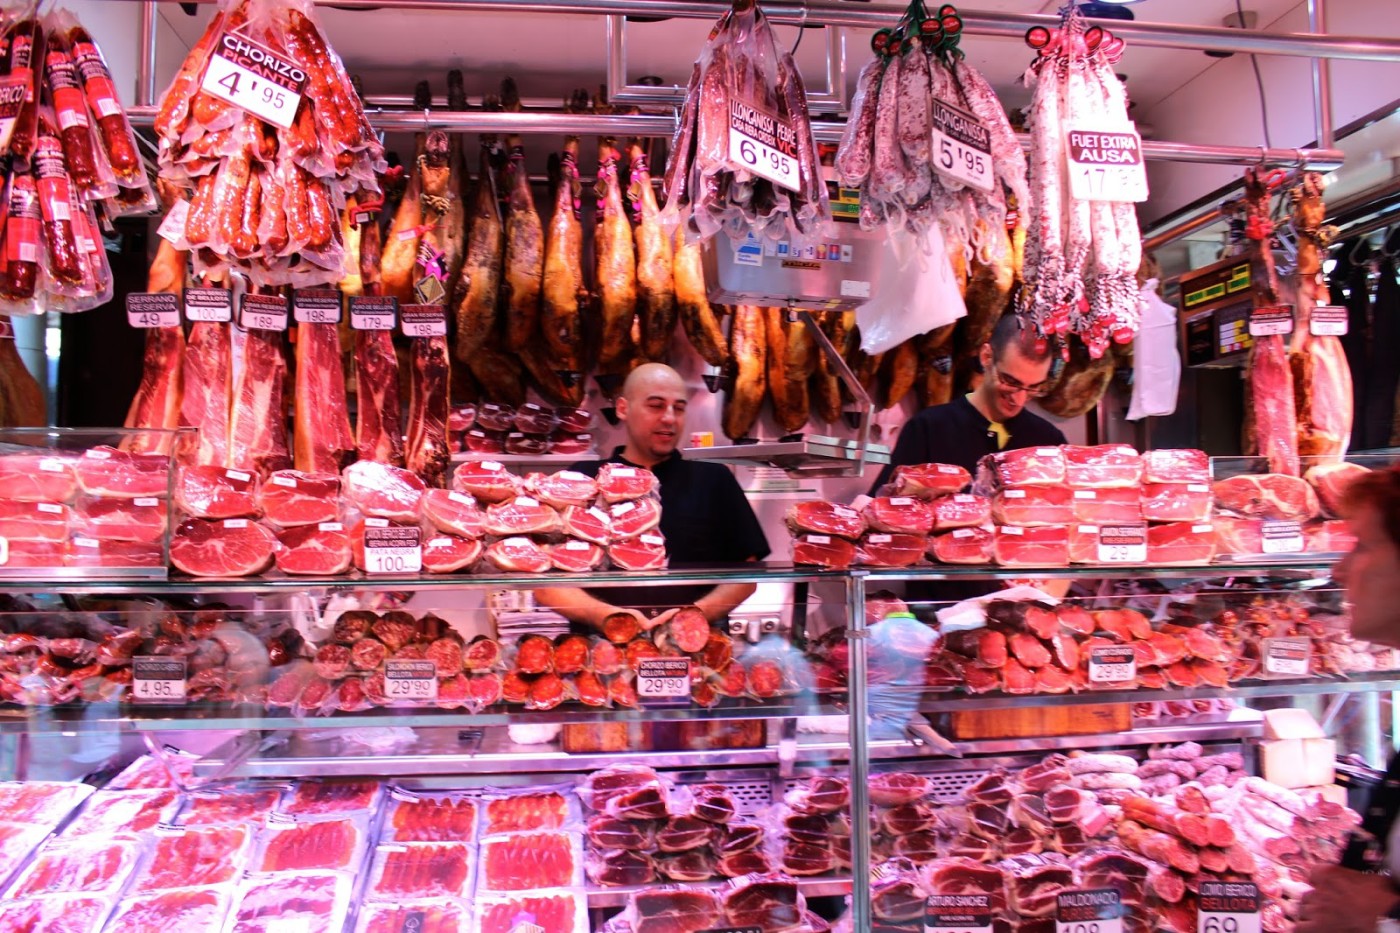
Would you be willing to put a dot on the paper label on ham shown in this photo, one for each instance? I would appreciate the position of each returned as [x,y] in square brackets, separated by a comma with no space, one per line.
[396,549]
[287,481]
[1105,164]
[1123,544]
[330,526]
[1014,494]
[4,551]
[266,83]
[1281,537]
[316,306]
[213,305]
[145,503]
[1328,321]
[958,913]
[157,679]
[373,312]
[663,678]
[1268,322]
[152,309]
[49,507]
[962,147]
[1228,906]
[423,320]
[410,680]
[1287,657]
[1112,664]
[263,312]
[1099,909]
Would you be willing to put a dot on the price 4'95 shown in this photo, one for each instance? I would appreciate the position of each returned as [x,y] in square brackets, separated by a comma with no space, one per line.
[271,95]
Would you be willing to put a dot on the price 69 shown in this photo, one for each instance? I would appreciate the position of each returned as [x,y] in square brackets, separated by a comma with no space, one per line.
[777,162]
[1220,925]
[950,154]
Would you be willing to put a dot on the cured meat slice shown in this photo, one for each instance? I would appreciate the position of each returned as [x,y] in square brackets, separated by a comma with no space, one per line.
[107,473]
[453,513]
[813,550]
[1106,466]
[109,812]
[1267,495]
[427,452]
[378,413]
[563,489]
[33,521]
[382,491]
[683,833]
[621,868]
[961,510]
[825,518]
[323,844]
[695,865]
[1028,466]
[143,520]
[215,492]
[899,515]
[71,914]
[1330,537]
[890,550]
[487,480]
[93,866]
[963,546]
[620,482]
[257,423]
[449,553]
[741,864]
[531,445]
[481,654]
[713,803]
[769,902]
[1238,537]
[675,910]
[822,795]
[1177,502]
[1107,505]
[314,901]
[1045,546]
[573,444]
[590,524]
[1176,466]
[928,480]
[206,855]
[644,552]
[1033,505]
[436,914]
[1083,544]
[445,818]
[525,812]
[1274,434]
[234,547]
[200,908]
[229,808]
[518,555]
[519,516]
[1181,543]
[634,517]
[530,861]
[553,913]
[895,788]
[574,420]
[534,419]
[421,870]
[1330,481]
[314,550]
[31,478]
[290,497]
[575,556]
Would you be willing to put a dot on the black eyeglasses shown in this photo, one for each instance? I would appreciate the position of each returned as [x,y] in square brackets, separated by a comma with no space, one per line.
[1039,390]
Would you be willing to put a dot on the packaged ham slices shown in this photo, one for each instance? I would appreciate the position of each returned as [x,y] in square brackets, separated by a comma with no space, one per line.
[414,816]
[421,869]
[62,913]
[528,810]
[234,807]
[552,912]
[108,812]
[204,855]
[293,845]
[98,867]
[310,902]
[190,908]
[448,915]
[530,861]
[311,799]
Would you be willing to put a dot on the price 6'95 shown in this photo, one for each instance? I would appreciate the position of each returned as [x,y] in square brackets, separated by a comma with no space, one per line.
[777,162]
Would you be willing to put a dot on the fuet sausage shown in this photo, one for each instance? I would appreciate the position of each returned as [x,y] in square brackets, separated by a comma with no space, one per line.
[101,94]
[56,207]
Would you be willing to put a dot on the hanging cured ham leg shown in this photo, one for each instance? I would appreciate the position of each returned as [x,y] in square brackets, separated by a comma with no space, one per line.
[378,418]
[158,397]
[258,428]
[323,442]
[1274,430]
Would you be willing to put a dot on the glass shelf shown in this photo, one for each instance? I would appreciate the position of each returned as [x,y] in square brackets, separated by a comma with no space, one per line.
[1303,568]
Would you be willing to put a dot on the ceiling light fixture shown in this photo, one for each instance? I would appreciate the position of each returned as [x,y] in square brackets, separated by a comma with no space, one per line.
[1107,9]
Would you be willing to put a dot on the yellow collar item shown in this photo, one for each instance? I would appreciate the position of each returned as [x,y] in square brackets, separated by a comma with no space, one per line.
[995,427]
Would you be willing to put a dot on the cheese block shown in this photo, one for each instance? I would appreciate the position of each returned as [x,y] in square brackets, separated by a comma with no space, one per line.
[1295,763]
[1291,724]
[1332,793]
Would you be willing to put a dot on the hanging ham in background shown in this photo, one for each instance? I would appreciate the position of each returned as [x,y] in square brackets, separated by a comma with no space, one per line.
[746,379]
[1271,425]
[616,273]
[258,424]
[378,416]
[158,397]
[208,391]
[656,287]
[322,439]
[564,290]
[524,272]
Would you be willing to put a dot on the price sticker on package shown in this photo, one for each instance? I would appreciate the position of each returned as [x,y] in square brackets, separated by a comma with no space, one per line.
[962,147]
[263,312]
[423,320]
[1287,657]
[410,679]
[1122,544]
[157,679]
[316,306]
[1112,664]
[764,144]
[1271,322]
[213,305]
[1099,910]
[1228,907]
[153,309]
[663,678]
[12,93]
[374,312]
[393,549]
[1328,321]
[958,913]
[249,75]
[1281,537]
[1106,164]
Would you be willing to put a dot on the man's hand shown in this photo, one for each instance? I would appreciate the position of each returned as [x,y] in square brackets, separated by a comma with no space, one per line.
[1345,901]
[658,620]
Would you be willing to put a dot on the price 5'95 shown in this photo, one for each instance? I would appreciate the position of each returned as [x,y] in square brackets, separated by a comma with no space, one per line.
[952,154]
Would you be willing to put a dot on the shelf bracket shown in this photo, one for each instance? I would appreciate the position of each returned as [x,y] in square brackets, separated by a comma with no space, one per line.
[837,360]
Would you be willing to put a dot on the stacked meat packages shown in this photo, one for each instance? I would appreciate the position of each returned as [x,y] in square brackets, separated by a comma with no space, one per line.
[32,811]
[1273,515]
[1156,832]
[74,164]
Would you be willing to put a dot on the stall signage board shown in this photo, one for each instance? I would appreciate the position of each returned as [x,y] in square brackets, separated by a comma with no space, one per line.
[1228,907]
[158,679]
[255,78]
[1277,537]
[958,913]
[211,305]
[663,678]
[393,549]
[962,147]
[1328,321]
[153,309]
[406,679]
[1287,657]
[1105,163]
[1098,910]
[763,143]
[1112,664]
[263,312]
[316,306]
[1123,544]
[373,312]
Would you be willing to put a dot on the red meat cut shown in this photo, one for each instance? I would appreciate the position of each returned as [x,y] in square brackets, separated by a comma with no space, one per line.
[314,550]
[382,491]
[962,546]
[487,480]
[1044,546]
[928,480]
[634,517]
[1033,505]
[1177,502]
[618,482]
[1106,466]
[574,420]
[591,524]
[453,513]
[534,419]
[562,489]
[144,520]
[290,497]
[644,552]
[522,515]
[1330,481]
[1107,505]
[34,554]
[1267,495]
[825,518]
[961,510]
[529,445]
[823,551]
[235,547]
[496,417]
[1083,544]
[449,553]
[1028,466]
[100,552]
[899,515]
[575,556]
[518,555]
[890,550]
[28,478]
[769,902]
[33,521]
[485,442]
[114,474]
[562,442]
[1181,543]
[1176,466]
[215,492]
[676,910]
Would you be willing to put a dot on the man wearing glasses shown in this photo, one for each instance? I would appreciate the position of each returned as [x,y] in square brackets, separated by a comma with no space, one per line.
[990,418]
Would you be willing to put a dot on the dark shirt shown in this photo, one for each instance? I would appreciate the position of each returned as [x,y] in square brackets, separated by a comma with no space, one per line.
[705,519]
[1367,850]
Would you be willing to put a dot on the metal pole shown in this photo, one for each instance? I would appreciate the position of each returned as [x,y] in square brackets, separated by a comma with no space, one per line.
[146,62]
[860,752]
[1321,77]
[1179,230]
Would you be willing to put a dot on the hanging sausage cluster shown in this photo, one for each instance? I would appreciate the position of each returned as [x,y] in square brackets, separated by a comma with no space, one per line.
[266,200]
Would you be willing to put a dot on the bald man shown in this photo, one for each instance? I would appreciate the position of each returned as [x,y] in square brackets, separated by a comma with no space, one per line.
[705,517]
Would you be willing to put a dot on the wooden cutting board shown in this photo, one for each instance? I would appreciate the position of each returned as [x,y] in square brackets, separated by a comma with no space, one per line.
[1040,720]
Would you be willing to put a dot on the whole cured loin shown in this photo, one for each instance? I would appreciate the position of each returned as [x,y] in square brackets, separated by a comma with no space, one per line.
[383,491]
[232,548]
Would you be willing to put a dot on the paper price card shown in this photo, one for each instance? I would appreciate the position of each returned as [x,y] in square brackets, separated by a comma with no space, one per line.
[1328,321]
[1106,164]
[393,549]
[214,305]
[1123,544]
[958,913]
[962,147]
[377,312]
[1093,911]
[1228,907]
[1270,322]
[724,930]
[157,679]
[263,312]
[1281,537]
[410,680]
[1287,657]
[248,74]
[764,144]
[153,309]
[12,93]
[663,678]
[423,320]
[316,306]
[1112,664]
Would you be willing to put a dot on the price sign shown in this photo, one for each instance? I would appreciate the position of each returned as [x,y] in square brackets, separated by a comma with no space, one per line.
[1281,537]
[962,147]
[252,76]
[153,309]
[316,306]
[410,680]
[209,304]
[1269,322]
[1092,911]
[1112,664]
[1328,321]
[764,144]
[157,679]
[423,320]
[393,549]
[958,913]
[263,312]
[1287,657]
[12,93]
[373,312]
[663,678]
[1228,907]
[1106,164]
[1123,544]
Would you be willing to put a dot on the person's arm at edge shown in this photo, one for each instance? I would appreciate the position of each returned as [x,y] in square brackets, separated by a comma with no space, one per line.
[577,605]
[909,448]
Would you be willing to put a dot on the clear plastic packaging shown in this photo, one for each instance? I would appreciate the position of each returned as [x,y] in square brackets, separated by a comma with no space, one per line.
[530,861]
[231,807]
[89,866]
[132,811]
[17,840]
[422,817]
[330,845]
[310,902]
[210,855]
[327,798]
[445,914]
[538,808]
[421,870]
[552,911]
[57,914]
[151,772]
[41,803]
[194,908]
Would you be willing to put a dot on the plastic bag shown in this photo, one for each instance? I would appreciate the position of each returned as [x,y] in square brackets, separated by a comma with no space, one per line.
[890,318]
[1156,360]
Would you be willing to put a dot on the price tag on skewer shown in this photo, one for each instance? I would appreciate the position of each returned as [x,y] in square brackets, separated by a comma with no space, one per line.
[158,679]
[153,309]
[1281,537]
[1328,321]
[958,913]
[373,312]
[1228,907]
[1105,163]
[410,680]
[1112,664]
[962,147]
[263,312]
[423,320]
[214,305]
[253,77]
[762,143]
[393,548]
[663,678]
[1287,657]
[1270,322]
[1099,910]
[316,306]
